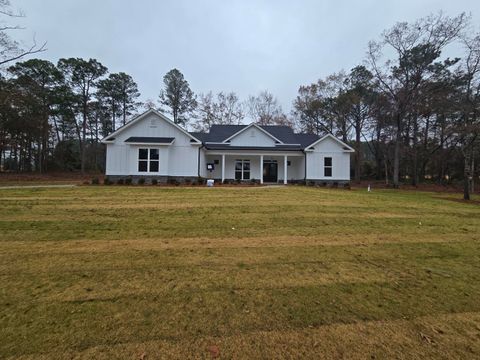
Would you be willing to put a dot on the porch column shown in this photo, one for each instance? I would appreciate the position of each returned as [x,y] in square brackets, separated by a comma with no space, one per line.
[223,168]
[285,169]
[261,169]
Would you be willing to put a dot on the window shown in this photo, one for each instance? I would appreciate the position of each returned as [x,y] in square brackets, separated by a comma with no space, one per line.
[148,160]
[327,167]
[242,169]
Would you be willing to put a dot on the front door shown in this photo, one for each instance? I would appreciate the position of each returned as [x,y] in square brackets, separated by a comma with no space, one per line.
[270,171]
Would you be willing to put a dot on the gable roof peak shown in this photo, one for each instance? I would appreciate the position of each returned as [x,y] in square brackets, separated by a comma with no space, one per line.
[141,116]
[250,126]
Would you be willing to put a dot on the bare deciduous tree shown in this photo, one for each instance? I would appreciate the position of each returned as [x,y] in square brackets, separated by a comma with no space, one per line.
[415,46]
[11,50]
[265,109]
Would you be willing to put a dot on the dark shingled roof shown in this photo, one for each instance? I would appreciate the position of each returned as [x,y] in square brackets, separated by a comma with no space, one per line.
[150,140]
[219,133]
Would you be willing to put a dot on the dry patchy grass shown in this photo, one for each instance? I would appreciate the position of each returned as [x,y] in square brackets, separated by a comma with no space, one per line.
[297,272]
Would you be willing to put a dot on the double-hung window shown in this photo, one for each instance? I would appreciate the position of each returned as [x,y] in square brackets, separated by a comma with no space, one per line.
[327,167]
[148,160]
[242,169]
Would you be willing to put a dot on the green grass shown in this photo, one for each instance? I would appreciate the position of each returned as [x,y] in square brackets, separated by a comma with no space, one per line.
[296,272]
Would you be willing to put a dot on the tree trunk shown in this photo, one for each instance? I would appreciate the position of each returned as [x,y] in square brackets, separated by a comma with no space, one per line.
[472,171]
[124,113]
[415,153]
[466,180]
[82,143]
[396,161]
[358,154]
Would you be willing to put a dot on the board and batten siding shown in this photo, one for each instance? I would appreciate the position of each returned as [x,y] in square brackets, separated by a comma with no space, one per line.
[340,161]
[177,159]
[252,136]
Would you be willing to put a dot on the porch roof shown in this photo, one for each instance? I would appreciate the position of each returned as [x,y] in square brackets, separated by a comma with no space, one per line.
[279,147]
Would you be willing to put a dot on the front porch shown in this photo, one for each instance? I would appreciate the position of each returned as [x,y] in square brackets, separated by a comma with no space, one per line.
[265,168]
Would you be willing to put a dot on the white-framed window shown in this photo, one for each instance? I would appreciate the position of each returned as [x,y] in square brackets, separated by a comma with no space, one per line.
[242,169]
[148,160]
[327,167]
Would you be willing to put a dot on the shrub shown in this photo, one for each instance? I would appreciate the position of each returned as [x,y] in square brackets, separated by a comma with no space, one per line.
[107,181]
[335,185]
[311,183]
[120,181]
[324,184]
[95,181]
[347,186]
[188,181]
[154,181]
[141,181]
[128,181]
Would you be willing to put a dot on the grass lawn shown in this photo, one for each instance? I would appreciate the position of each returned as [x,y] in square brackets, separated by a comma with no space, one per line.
[296,272]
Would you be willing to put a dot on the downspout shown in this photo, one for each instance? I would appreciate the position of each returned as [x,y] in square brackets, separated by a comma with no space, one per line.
[305,177]
[198,160]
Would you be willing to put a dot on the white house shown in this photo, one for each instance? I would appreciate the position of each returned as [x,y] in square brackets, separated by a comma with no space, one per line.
[152,146]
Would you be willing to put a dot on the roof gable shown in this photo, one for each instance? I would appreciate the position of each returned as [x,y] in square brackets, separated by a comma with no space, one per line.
[110,138]
[255,127]
[344,146]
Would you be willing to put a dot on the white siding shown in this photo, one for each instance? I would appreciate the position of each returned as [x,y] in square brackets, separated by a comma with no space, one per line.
[340,161]
[252,137]
[178,159]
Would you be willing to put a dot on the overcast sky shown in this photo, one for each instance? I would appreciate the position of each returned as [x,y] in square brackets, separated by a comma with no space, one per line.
[242,46]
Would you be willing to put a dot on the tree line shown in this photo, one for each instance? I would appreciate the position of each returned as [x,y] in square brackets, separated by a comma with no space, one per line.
[408,107]
[410,112]
[54,115]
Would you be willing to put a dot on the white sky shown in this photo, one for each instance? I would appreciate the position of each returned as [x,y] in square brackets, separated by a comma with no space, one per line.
[231,45]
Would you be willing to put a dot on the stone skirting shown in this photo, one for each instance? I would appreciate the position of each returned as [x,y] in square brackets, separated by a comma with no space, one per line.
[330,183]
[147,179]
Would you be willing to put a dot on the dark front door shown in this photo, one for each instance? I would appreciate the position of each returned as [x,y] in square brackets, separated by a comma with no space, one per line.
[270,171]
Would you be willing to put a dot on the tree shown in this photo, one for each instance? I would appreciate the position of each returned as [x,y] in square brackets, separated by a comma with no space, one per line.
[39,79]
[81,76]
[308,109]
[225,109]
[178,97]
[10,50]
[264,109]
[320,109]
[416,47]
[468,127]
[120,92]
[206,112]
[358,98]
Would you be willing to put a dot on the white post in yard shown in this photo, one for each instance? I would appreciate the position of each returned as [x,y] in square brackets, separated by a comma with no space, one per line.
[223,168]
[285,169]
[261,169]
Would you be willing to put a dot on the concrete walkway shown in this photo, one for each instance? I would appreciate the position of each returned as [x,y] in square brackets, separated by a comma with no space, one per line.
[36,186]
